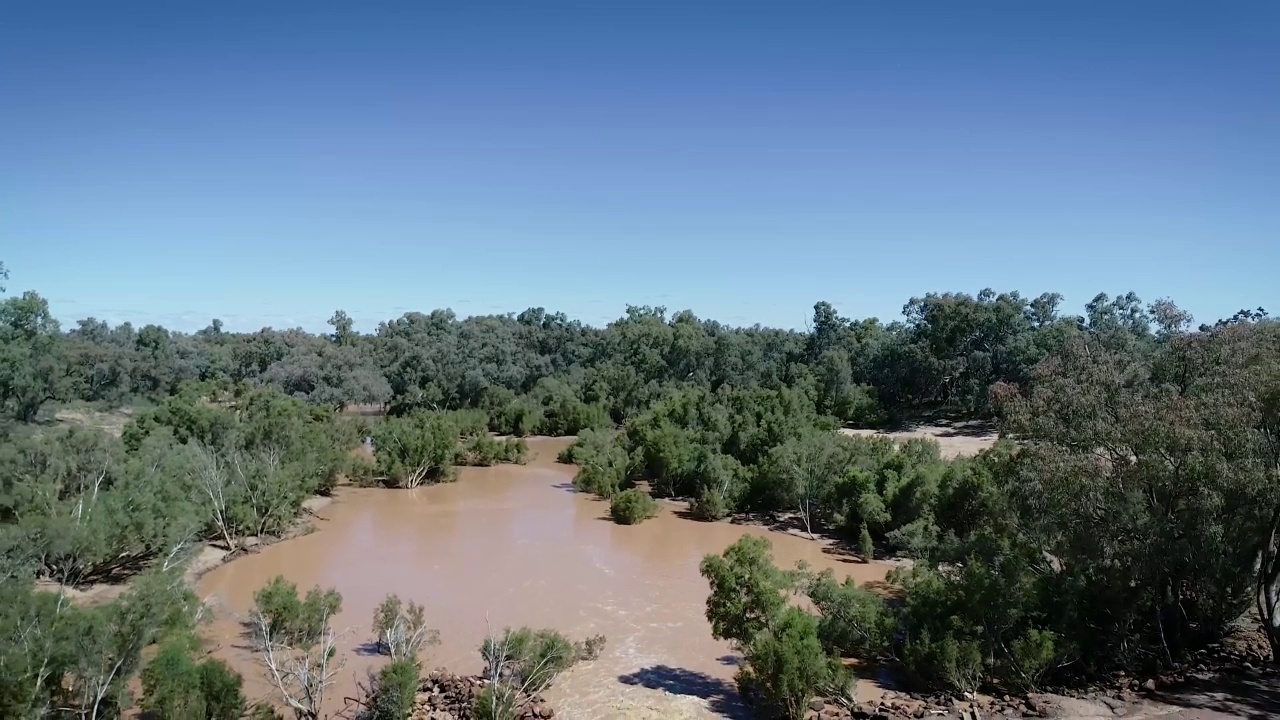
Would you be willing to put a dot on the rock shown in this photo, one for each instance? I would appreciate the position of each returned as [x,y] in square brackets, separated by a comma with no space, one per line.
[817,704]
[1111,702]
[1149,685]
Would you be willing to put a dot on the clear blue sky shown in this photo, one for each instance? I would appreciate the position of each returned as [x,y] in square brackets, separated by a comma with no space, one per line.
[268,162]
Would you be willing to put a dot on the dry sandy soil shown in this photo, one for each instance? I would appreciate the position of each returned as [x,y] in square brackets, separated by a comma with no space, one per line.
[111,422]
[961,438]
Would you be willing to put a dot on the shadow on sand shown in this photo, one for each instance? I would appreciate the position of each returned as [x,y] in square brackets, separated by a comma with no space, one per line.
[721,695]
[1246,696]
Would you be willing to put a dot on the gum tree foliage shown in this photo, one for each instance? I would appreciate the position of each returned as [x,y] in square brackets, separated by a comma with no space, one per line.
[33,360]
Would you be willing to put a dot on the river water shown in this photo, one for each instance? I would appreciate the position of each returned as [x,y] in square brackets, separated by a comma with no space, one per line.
[515,545]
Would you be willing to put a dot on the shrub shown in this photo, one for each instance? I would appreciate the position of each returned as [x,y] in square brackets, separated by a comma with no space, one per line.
[951,660]
[632,507]
[721,479]
[222,689]
[469,423]
[527,658]
[784,666]
[484,450]
[171,684]
[174,687]
[865,545]
[590,648]
[393,691]
[590,445]
[415,450]
[709,505]
[401,629]
[292,620]
[524,662]
[522,417]
[852,621]
[362,471]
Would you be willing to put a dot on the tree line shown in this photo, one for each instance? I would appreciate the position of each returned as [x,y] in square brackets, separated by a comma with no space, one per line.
[541,372]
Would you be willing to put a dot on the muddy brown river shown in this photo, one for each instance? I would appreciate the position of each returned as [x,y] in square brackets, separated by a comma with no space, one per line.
[515,545]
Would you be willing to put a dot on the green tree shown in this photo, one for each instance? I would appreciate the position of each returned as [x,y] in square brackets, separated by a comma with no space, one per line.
[33,366]
[748,591]
[784,666]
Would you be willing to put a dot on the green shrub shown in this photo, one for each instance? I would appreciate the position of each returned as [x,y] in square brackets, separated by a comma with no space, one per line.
[362,471]
[709,505]
[591,445]
[721,480]
[521,417]
[632,507]
[951,660]
[527,658]
[171,684]
[853,621]
[401,630]
[865,544]
[484,450]
[497,701]
[175,687]
[222,689]
[468,423]
[784,666]
[415,450]
[293,620]
[393,691]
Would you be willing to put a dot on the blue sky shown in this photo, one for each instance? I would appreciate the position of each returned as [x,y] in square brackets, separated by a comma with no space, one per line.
[266,163]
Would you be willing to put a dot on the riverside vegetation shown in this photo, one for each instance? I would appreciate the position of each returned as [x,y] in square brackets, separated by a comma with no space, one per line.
[1127,519]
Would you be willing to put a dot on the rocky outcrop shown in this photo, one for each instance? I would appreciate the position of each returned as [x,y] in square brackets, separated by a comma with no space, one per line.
[445,696]
[899,706]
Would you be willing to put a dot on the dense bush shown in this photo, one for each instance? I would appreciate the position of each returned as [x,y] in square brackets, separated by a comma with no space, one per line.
[523,662]
[852,621]
[784,666]
[80,659]
[392,694]
[292,619]
[631,507]
[415,450]
[530,658]
[785,659]
[485,450]
[176,687]
[602,464]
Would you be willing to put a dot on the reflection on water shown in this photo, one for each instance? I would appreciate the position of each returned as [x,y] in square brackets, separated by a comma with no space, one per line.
[514,545]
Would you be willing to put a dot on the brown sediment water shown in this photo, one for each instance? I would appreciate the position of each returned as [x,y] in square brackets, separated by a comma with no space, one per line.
[515,545]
